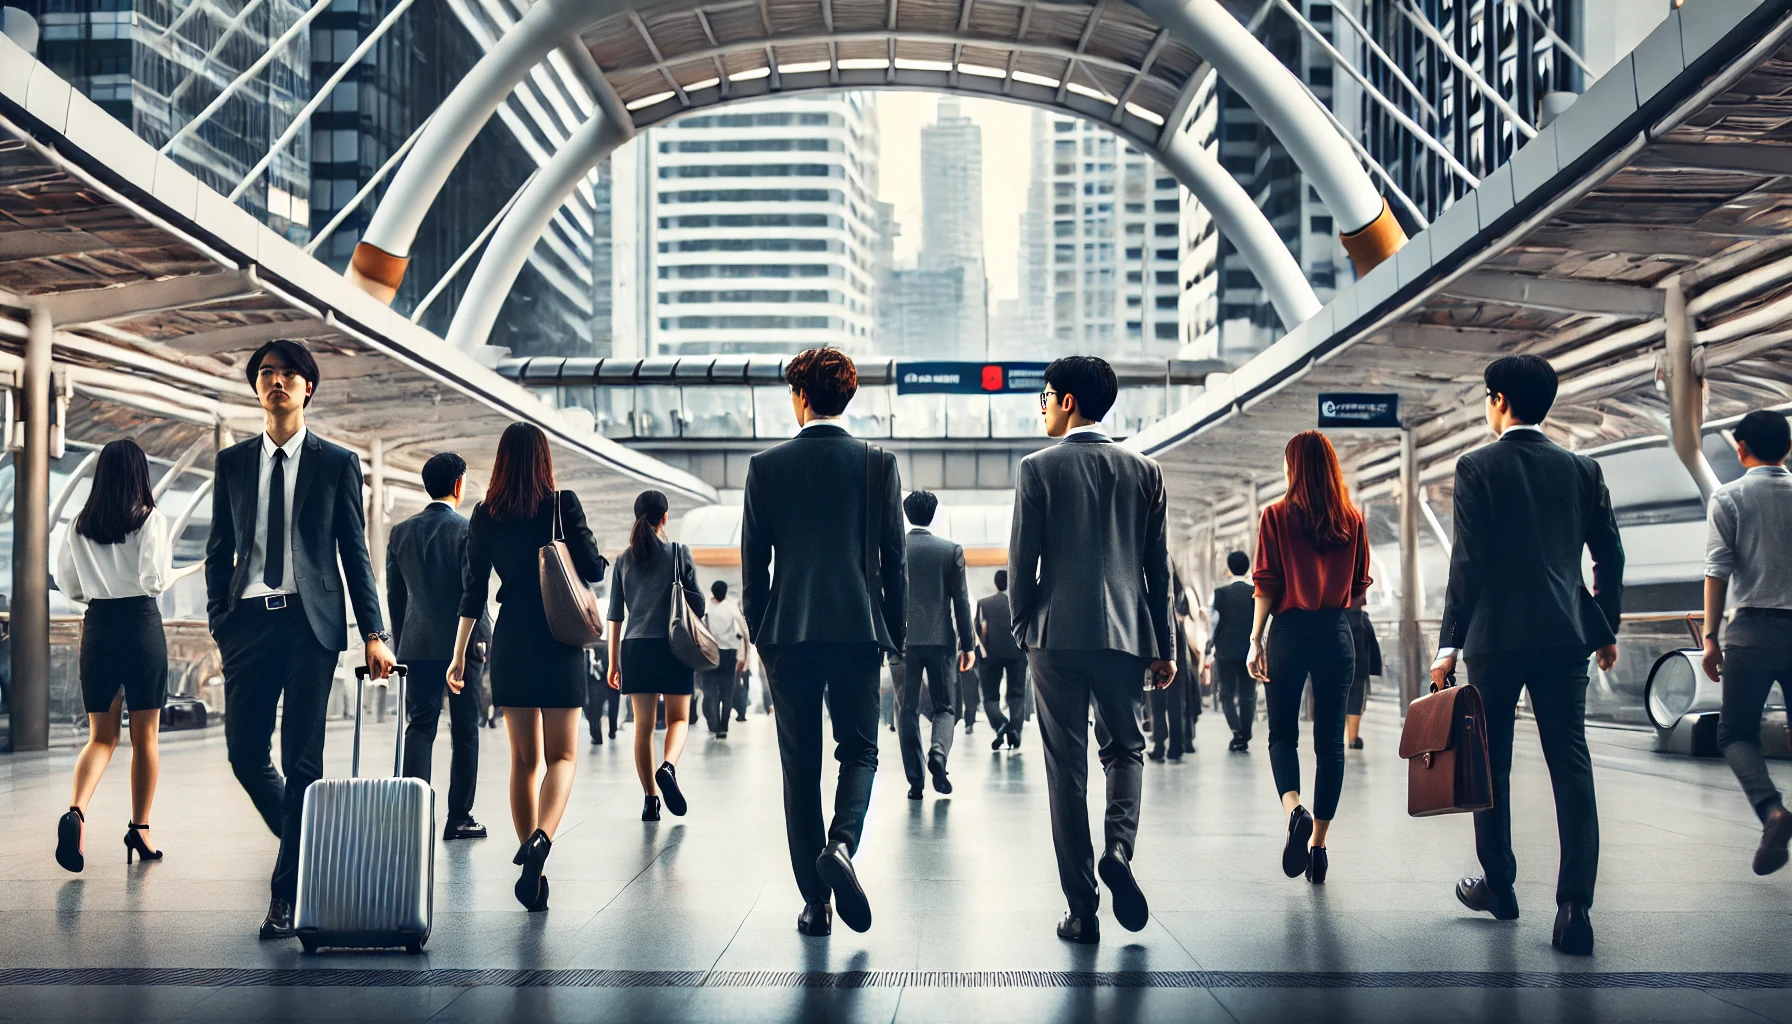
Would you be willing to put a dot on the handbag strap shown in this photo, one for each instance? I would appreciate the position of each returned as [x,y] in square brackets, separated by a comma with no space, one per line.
[558,535]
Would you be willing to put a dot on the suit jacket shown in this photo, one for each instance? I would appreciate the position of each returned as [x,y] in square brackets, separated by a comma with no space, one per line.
[995,624]
[327,522]
[1088,560]
[805,504]
[423,585]
[937,598]
[1524,509]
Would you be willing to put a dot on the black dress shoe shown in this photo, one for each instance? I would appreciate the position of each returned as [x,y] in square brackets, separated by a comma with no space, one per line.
[1317,862]
[1189,748]
[914,791]
[667,779]
[1476,894]
[936,766]
[1157,752]
[1295,854]
[650,809]
[817,919]
[835,867]
[465,829]
[1130,908]
[1776,831]
[1000,740]
[278,923]
[1574,930]
[1081,930]
[1014,740]
[1356,744]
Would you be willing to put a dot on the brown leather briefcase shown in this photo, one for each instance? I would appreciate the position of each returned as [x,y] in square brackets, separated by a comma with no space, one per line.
[1444,743]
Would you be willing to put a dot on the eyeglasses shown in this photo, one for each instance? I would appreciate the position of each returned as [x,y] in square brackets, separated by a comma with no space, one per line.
[1045,398]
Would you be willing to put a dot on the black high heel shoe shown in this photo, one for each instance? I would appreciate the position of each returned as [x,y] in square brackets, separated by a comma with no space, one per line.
[533,856]
[68,840]
[133,843]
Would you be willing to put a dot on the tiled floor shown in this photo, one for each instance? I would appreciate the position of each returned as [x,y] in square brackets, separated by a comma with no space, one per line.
[692,918]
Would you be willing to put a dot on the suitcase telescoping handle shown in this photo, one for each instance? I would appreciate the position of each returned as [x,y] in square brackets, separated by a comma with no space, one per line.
[360,687]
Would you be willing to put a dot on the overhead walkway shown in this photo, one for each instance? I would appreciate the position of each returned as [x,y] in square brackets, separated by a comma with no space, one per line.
[130,296]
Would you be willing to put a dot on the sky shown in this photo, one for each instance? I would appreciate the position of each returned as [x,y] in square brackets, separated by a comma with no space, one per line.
[1007,137]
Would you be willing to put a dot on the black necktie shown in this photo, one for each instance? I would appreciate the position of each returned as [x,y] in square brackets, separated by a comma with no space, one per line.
[274,572]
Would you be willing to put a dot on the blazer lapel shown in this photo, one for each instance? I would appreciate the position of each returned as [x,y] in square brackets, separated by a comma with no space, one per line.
[242,499]
[314,453]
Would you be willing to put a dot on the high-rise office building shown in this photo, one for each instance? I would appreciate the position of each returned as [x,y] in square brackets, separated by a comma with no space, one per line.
[1029,324]
[952,232]
[760,231]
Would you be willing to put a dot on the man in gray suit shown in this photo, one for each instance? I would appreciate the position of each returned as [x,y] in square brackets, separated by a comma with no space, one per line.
[939,624]
[1089,580]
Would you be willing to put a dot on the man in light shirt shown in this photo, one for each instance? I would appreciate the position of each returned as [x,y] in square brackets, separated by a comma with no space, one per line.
[1748,563]
[730,630]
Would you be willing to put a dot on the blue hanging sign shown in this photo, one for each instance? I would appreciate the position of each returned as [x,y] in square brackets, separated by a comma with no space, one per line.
[955,378]
[1351,409]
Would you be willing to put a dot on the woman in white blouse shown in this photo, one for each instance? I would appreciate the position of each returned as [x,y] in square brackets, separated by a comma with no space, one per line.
[115,558]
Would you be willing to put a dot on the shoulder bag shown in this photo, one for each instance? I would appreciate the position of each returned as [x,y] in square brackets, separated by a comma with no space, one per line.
[691,640]
[571,607]
[1444,743]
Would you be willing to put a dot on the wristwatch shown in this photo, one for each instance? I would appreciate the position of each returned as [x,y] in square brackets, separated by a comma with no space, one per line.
[382,636]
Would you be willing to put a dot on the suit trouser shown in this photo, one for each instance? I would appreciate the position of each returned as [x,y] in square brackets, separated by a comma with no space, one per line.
[718,692]
[1064,683]
[601,699]
[939,666]
[424,693]
[741,695]
[800,678]
[1169,719]
[268,655]
[1238,695]
[992,671]
[1757,654]
[1557,683]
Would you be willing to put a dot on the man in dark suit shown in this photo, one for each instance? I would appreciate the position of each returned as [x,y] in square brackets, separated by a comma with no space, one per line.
[286,505]
[1089,579]
[1229,642]
[826,508]
[939,645]
[423,570]
[1524,510]
[1002,656]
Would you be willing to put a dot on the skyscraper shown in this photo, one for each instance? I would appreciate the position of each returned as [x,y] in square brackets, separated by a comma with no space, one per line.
[952,225]
[1032,321]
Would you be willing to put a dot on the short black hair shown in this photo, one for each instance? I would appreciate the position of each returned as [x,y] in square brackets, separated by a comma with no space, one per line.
[1088,379]
[920,506]
[292,353]
[719,589]
[1238,562]
[440,473]
[1766,434]
[1528,382]
[825,376]
[1002,580]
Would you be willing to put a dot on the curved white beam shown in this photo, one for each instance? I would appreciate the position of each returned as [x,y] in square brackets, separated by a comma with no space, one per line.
[516,236]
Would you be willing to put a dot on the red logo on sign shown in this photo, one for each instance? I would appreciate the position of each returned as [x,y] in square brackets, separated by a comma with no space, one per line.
[992,378]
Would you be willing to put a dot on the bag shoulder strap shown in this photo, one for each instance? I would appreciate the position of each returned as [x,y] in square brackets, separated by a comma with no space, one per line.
[558,535]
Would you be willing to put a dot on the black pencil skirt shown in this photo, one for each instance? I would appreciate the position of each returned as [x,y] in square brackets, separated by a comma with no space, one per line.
[649,666]
[123,648]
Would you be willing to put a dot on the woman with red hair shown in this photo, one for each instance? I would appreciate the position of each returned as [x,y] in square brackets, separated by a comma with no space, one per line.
[1312,564]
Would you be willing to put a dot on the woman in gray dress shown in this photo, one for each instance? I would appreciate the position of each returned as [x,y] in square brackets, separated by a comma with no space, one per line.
[642,664]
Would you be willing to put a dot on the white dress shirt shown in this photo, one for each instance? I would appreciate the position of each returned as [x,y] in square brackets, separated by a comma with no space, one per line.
[258,555]
[832,421]
[1087,428]
[137,566]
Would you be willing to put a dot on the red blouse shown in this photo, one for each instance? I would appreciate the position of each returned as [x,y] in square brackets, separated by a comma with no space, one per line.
[1294,574]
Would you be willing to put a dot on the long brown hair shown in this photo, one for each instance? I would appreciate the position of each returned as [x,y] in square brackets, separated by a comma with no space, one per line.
[1316,491]
[522,476]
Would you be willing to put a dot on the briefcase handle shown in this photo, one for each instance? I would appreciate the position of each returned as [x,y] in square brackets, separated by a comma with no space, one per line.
[354,771]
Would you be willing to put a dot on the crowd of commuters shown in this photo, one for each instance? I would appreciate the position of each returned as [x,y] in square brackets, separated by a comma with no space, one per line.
[1088,621]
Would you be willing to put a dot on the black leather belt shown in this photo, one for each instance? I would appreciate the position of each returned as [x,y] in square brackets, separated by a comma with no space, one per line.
[1768,613]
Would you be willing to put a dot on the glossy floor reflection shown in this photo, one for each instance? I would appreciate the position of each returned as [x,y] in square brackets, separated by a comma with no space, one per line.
[693,918]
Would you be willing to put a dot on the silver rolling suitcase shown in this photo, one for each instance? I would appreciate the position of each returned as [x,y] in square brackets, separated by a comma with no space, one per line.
[367,854]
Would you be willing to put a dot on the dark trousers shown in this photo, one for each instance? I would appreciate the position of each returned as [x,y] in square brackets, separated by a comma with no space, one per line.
[1757,654]
[800,678]
[742,695]
[1301,644]
[1169,719]
[267,655]
[1064,682]
[933,699]
[1557,683]
[1238,695]
[992,672]
[601,699]
[718,692]
[424,692]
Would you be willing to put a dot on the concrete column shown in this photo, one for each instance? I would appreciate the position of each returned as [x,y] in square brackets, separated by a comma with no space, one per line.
[1683,367]
[1413,663]
[31,546]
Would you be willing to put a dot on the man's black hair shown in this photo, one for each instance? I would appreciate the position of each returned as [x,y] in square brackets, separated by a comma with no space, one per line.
[1002,580]
[440,473]
[293,354]
[920,506]
[1089,379]
[1528,382]
[1239,563]
[719,589]
[1767,435]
